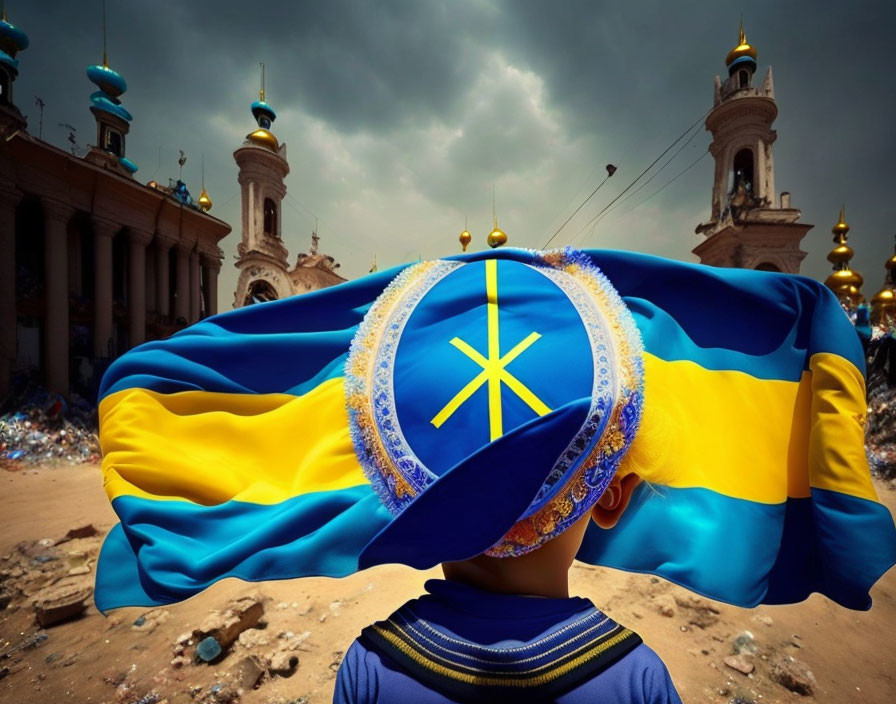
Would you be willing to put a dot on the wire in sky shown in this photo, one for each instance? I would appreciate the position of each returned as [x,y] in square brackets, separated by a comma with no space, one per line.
[641,175]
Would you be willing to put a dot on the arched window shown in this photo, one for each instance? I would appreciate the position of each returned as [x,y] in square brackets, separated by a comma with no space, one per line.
[767,266]
[743,79]
[260,291]
[4,88]
[270,218]
[743,170]
[112,142]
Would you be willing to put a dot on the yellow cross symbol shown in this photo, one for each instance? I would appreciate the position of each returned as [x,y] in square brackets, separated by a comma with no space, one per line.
[494,367]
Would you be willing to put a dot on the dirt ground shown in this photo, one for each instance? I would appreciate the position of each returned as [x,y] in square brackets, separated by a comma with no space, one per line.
[852,655]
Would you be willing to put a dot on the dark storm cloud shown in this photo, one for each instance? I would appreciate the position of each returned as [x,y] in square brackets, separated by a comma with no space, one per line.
[400,116]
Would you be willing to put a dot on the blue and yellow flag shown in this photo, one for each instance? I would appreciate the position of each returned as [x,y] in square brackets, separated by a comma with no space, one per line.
[227,447]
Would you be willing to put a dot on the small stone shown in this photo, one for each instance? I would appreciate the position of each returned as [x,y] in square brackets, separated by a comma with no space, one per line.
[248,672]
[240,615]
[793,675]
[208,649]
[179,662]
[666,606]
[323,617]
[253,638]
[87,531]
[60,603]
[741,663]
[744,642]
[284,664]
[683,629]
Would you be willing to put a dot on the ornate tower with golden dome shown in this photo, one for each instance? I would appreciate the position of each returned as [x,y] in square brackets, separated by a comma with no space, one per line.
[261,255]
[883,304]
[262,258]
[843,281]
[750,226]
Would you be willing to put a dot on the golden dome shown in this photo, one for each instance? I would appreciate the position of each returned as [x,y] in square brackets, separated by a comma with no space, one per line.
[465,238]
[843,278]
[205,203]
[885,297]
[264,138]
[496,237]
[843,253]
[742,49]
[841,227]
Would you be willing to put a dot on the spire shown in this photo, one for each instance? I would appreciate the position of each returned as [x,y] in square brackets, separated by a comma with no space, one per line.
[496,237]
[844,282]
[768,85]
[264,115]
[204,202]
[741,56]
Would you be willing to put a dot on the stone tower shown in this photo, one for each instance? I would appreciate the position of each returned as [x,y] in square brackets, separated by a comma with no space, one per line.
[261,255]
[749,227]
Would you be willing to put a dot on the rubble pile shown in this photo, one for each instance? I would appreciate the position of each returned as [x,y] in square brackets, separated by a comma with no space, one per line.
[54,577]
[45,427]
[880,430]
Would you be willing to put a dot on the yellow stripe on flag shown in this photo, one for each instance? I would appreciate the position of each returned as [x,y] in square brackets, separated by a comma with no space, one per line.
[749,438]
[214,447]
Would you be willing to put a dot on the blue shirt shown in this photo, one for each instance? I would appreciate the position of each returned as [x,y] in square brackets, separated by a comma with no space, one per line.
[459,644]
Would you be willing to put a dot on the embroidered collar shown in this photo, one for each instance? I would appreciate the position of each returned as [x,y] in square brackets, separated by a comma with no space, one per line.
[556,662]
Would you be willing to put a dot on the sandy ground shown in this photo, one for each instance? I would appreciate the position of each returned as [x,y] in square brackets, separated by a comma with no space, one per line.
[107,659]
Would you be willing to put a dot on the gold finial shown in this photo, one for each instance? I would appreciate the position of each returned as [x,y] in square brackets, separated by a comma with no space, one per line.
[4,12]
[204,202]
[841,228]
[742,48]
[465,237]
[373,267]
[261,92]
[843,281]
[496,237]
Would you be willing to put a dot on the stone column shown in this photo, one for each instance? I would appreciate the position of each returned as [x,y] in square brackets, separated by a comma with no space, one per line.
[195,287]
[56,339]
[212,267]
[137,242]
[9,199]
[103,232]
[182,301]
[163,304]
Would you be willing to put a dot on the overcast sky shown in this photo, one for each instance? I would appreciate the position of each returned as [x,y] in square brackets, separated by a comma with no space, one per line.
[400,117]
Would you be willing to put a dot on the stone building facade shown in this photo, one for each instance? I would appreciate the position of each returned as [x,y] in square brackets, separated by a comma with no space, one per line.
[92,262]
[262,258]
[749,226]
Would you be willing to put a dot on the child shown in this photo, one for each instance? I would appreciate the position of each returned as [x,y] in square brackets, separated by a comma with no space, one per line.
[486,407]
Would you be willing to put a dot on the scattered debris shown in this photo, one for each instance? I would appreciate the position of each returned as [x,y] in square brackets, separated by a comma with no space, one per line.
[741,663]
[248,672]
[744,642]
[666,606]
[45,428]
[225,626]
[60,602]
[208,649]
[284,664]
[699,612]
[764,620]
[793,675]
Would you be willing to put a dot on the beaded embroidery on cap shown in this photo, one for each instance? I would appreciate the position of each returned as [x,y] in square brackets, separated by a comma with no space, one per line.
[580,474]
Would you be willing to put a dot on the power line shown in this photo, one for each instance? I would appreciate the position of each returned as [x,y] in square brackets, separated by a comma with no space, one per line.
[641,175]
[664,186]
[610,172]
[657,172]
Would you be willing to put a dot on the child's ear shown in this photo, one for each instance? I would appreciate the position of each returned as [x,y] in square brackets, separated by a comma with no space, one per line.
[614,501]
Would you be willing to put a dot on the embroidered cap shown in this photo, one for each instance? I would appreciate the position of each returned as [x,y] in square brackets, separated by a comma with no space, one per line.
[491,402]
